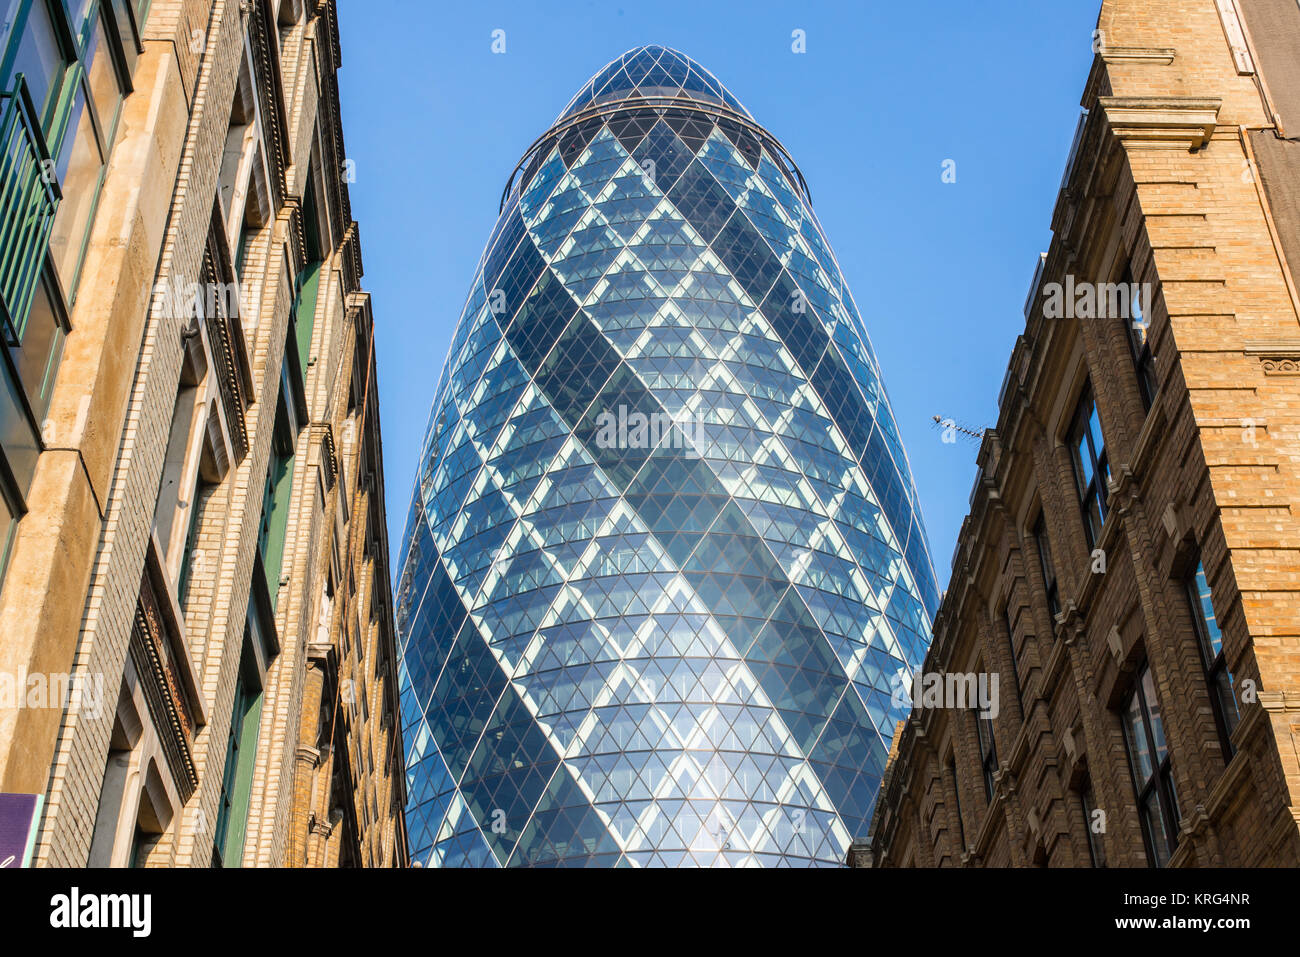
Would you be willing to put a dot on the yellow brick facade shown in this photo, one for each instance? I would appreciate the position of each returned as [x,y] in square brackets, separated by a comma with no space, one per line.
[1182,180]
[248,716]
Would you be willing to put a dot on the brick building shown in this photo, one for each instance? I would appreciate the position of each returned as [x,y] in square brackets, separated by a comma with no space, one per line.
[196,628]
[1130,568]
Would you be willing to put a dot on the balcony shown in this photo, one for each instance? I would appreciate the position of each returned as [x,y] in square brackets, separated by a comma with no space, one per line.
[29,198]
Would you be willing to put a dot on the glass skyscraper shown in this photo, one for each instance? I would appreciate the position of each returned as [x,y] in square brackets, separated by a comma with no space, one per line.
[665,559]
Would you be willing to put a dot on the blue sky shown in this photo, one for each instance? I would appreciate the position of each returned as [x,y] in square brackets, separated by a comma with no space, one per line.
[434,122]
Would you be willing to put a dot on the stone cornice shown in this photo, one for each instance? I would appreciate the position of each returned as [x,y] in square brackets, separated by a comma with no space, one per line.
[290,219]
[270,90]
[1276,357]
[323,452]
[333,153]
[1185,122]
[1126,55]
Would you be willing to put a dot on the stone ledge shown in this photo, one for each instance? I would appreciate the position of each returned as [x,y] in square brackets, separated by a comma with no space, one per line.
[1163,55]
[1276,357]
[1162,121]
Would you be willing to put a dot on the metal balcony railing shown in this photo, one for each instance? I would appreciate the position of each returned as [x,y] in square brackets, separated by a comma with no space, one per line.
[29,198]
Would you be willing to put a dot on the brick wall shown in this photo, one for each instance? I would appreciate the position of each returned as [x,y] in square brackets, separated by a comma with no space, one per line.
[1166,183]
[75,577]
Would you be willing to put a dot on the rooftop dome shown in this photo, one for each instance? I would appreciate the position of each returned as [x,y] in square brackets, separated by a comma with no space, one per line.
[653,71]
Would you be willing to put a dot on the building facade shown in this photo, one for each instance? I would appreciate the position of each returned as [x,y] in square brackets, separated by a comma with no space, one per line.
[664,550]
[1130,568]
[196,628]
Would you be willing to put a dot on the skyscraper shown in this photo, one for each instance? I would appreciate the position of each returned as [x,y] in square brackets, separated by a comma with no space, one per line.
[665,556]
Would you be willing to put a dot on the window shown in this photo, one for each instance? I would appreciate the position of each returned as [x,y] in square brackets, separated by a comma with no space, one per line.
[134,809]
[20,445]
[1091,825]
[1011,650]
[62,82]
[304,311]
[956,798]
[83,154]
[127,29]
[40,55]
[174,509]
[1217,675]
[1153,783]
[74,72]
[237,778]
[1138,325]
[302,315]
[196,457]
[7,525]
[40,346]
[276,496]
[201,493]
[1091,466]
[988,751]
[1044,546]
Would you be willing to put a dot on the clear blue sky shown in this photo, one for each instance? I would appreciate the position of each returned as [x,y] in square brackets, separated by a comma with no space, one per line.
[434,122]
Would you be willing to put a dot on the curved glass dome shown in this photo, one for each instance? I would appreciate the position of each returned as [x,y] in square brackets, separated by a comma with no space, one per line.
[664,555]
[652,71]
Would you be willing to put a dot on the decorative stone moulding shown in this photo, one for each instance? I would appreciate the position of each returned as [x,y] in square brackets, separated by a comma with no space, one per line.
[1183,122]
[1124,55]
[1280,357]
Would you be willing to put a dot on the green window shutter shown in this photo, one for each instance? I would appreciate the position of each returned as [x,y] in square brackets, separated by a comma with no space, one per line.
[305,312]
[275,519]
[237,782]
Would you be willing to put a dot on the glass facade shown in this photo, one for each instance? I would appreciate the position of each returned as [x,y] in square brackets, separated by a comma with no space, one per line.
[665,560]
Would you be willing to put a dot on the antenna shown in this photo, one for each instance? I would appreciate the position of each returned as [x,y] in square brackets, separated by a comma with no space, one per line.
[950,425]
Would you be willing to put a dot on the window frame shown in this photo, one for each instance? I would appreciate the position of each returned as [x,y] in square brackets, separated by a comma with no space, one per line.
[53,129]
[104,129]
[1215,662]
[1051,583]
[1137,332]
[988,748]
[1096,489]
[1096,846]
[242,738]
[277,496]
[1158,786]
[955,783]
[1011,650]
[66,40]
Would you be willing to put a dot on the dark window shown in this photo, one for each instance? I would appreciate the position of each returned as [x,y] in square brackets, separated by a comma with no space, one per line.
[988,751]
[7,525]
[1153,782]
[88,122]
[1045,563]
[237,777]
[956,798]
[1091,465]
[41,56]
[276,497]
[1138,324]
[1092,824]
[39,345]
[201,491]
[1011,650]
[1224,701]
[62,82]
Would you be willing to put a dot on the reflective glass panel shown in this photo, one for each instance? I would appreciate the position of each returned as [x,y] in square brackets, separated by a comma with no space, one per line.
[664,561]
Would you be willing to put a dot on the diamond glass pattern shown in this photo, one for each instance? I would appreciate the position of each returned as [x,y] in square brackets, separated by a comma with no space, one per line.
[677,648]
